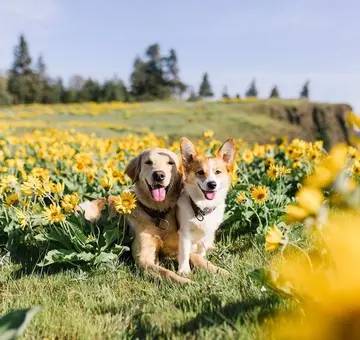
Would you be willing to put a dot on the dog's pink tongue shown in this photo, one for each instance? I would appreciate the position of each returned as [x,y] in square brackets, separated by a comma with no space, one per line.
[158,194]
[210,195]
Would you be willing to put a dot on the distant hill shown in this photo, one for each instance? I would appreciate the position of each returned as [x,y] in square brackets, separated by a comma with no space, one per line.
[254,121]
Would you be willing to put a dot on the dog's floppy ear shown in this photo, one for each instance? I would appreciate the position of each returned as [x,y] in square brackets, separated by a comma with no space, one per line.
[227,151]
[188,151]
[133,168]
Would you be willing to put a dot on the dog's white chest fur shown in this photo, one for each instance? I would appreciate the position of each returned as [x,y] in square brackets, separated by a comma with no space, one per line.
[196,235]
[198,230]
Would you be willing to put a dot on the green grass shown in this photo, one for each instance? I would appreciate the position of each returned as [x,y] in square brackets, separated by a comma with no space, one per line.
[128,304]
[177,119]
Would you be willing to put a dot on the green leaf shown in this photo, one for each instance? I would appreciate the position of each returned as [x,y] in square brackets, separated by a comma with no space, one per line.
[13,324]
[111,234]
[104,257]
[65,256]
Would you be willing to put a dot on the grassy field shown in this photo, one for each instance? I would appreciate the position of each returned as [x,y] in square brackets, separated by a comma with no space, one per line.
[44,174]
[174,119]
[126,304]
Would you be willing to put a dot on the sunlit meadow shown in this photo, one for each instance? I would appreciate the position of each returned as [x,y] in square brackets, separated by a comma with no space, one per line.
[289,237]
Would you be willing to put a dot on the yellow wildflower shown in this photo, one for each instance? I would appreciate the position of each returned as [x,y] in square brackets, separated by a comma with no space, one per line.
[273,238]
[53,214]
[70,202]
[57,188]
[260,194]
[208,134]
[107,182]
[241,197]
[125,203]
[248,156]
[273,172]
[11,200]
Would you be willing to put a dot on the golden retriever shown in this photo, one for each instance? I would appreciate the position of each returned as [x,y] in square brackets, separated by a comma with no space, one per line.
[157,184]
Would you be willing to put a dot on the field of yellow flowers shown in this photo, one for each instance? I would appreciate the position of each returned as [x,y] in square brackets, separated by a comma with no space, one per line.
[290,239]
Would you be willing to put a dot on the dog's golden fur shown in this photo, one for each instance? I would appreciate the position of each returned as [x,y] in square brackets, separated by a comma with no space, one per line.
[151,239]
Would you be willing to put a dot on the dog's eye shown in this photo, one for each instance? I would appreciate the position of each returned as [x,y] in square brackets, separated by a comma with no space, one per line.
[149,162]
[217,172]
[171,163]
[201,172]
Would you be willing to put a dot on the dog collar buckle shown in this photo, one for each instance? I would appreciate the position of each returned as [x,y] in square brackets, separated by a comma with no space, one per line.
[199,216]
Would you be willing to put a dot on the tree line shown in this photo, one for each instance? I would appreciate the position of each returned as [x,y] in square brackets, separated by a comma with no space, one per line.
[155,76]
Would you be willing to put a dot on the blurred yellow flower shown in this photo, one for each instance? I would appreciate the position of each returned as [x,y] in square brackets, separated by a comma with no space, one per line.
[21,218]
[11,200]
[209,134]
[248,156]
[107,182]
[331,294]
[70,202]
[273,172]
[57,188]
[273,238]
[241,197]
[310,199]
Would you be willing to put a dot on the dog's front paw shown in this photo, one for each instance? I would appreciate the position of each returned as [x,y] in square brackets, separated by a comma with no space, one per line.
[184,270]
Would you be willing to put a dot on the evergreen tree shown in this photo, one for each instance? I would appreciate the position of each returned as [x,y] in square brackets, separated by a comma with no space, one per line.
[20,82]
[205,89]
[40,82]
[178,87]
[53,91]
[192,97]
[70,95]
[237,96]
[304,94]
[113,90]
[225,93]
[156,76]
[274,92]
[252,90]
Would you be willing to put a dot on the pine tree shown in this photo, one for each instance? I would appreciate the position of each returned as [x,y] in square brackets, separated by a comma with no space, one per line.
[274,92]
[178,87]
[225,93]
[40,82]
[252,90]
[192,97]
[113,90]
[20,80]
[205,89]
[304,94]
[155,76]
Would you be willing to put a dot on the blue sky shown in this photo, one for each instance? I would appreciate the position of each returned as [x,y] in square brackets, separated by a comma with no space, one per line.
[281,42]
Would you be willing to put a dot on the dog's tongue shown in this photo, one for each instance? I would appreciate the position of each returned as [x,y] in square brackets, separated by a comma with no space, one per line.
[210,195]
[158,194]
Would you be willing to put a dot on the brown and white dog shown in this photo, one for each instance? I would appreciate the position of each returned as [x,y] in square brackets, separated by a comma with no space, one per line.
[202,204]
[157,184]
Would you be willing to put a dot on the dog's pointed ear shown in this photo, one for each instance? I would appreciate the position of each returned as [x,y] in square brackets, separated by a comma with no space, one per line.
[133,169]
[188,151]
[227,151]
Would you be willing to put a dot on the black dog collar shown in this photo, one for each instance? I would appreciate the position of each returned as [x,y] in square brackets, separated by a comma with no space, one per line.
[200,213]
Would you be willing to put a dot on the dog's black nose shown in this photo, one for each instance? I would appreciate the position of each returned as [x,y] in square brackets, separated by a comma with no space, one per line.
[211,185]
[158,176]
